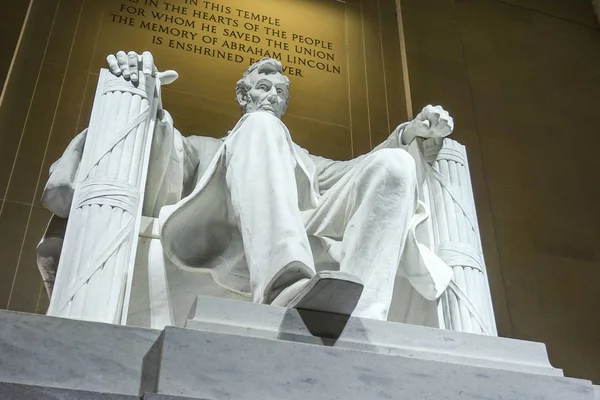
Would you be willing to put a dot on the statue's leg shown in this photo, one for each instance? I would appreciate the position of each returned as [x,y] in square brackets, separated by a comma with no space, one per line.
[369,209]
[262,185]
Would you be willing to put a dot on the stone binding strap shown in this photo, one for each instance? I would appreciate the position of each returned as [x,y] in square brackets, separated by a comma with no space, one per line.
[466,306]
[98,253]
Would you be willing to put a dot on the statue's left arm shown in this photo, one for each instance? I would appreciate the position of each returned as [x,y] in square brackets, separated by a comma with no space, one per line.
[431,122]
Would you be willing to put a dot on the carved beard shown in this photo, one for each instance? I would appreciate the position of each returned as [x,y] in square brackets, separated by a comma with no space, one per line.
[250,106]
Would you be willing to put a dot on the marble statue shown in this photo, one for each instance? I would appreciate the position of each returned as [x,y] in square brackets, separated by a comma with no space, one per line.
[290,210]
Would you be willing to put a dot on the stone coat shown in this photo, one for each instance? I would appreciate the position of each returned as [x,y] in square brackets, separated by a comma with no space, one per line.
[186,191]
[197,231]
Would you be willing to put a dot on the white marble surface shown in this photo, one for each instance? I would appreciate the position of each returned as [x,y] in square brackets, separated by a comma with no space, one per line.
[467,305]
[45,354]
[97,258]
[156,396]
[65,353]
[306,196]
[221,366]
[181,289]
[13,391]
[268,322]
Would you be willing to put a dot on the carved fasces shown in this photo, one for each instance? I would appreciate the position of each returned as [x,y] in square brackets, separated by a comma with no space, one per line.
[96,262]
[466,306]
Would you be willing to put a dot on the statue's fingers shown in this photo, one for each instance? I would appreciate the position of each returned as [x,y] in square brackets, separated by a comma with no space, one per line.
[445,115]
[122,62]
[167,76]
[133,63]
[423,128]
[147,63]
[445,131]
[113,64]
[434,120]
[450,123]
[424,114]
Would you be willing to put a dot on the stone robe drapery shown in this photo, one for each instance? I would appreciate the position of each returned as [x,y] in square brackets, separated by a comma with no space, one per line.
[186,188]
[199,231]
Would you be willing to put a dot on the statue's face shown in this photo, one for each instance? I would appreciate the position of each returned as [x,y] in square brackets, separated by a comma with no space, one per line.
[269,92]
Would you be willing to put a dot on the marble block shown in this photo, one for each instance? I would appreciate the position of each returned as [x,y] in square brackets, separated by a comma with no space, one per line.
[156,396]
[48,358]
[226,366]
[80,355]
[14,391]
[268,322]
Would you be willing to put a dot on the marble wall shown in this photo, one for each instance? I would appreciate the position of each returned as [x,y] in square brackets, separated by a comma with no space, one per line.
[521,79]
[11,22]
[17,242]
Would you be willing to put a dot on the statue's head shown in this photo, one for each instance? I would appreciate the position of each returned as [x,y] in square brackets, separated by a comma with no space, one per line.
[264,88]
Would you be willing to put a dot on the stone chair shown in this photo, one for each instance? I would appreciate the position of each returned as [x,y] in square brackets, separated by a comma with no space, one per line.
[112,268]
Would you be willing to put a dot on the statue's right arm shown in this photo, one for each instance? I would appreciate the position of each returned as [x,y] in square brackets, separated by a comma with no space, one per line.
[172,171]
[58,193]
[174,159]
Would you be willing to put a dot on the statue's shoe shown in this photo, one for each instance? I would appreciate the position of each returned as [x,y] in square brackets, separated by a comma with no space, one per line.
[328,291]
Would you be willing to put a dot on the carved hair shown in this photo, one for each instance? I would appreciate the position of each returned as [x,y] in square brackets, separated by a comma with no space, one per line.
[243,87]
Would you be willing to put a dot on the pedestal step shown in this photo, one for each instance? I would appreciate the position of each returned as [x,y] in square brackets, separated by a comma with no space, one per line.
[222,366]
[390,338]
[64,353]
[156,396]
[15,391]
[58,357]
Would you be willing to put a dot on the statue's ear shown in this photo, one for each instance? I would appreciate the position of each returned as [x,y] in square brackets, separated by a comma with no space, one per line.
[241,96]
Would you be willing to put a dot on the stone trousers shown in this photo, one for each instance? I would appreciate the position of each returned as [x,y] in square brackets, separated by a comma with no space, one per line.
[368,209]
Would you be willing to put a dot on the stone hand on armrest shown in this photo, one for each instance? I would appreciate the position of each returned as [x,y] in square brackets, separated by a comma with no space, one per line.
[131,65]
[431,122]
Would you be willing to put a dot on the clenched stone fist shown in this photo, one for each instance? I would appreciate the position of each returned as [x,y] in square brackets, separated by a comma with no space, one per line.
[431,122]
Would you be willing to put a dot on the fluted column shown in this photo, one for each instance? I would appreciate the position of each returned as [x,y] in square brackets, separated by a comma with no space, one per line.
[96,263]
[466,306]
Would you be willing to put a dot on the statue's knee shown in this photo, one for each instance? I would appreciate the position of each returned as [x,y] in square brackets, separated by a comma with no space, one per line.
[394,165]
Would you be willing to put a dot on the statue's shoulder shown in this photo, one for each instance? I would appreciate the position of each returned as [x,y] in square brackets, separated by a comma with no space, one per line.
[204,140]
[204,145]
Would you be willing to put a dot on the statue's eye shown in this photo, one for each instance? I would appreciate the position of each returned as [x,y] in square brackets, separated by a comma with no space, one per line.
[280,91]
[263,87]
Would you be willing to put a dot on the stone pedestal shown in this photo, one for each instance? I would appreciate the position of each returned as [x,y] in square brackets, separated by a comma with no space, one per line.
[388,338]
[237,350]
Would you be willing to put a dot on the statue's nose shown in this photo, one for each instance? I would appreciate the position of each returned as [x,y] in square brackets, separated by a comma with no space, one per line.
[272,98]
